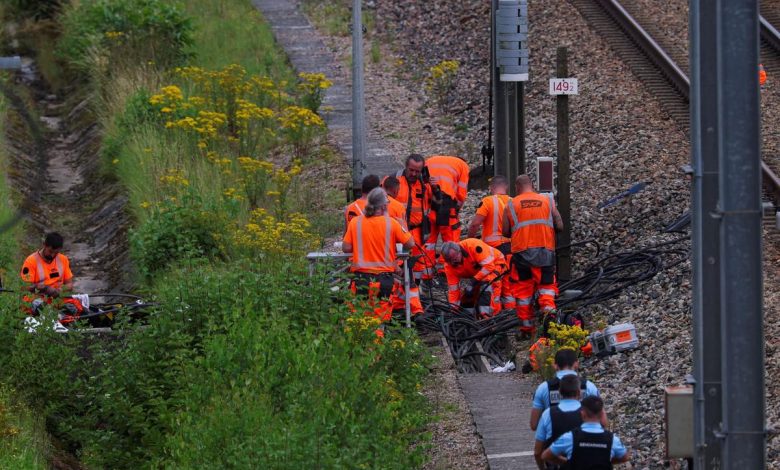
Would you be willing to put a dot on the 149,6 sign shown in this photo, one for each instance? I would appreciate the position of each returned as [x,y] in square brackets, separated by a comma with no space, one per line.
[563,86]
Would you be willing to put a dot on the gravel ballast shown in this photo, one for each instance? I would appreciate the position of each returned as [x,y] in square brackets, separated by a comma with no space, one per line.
[620,135]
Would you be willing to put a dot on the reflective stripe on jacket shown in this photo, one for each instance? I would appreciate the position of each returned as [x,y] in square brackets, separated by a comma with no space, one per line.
[531,216]
[451,174]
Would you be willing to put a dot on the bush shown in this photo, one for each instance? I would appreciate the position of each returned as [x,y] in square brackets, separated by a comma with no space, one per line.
[35,9]
[243,366]
[177,229]
[126,30]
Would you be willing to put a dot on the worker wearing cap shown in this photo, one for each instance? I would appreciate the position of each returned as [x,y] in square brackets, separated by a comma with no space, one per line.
[530,221]
[489,217]
[484,265]
[547,394]
[589,445]
[397,211]
[372,238]
[46,273]
[415,195]
[355,208]
[449,184]
[560,419]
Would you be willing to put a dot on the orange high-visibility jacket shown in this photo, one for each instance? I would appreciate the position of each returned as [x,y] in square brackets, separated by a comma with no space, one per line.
[354,209]
[531,216]
[420,197]
[481,262]
[36,270]
[396,210]
[451,174]
[492,209]
[761,74]
[373,242]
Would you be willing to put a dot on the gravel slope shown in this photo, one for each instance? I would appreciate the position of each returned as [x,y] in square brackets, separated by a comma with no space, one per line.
[620,135]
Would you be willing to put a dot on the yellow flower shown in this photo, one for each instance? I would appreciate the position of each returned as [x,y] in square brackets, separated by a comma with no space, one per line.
[115,161]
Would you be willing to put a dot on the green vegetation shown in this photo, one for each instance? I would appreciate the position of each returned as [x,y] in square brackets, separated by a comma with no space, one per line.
[248,362]
[22,437]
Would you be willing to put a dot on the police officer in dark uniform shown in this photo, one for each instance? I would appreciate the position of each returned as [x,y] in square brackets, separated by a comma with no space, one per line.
[588,447]
[559,419]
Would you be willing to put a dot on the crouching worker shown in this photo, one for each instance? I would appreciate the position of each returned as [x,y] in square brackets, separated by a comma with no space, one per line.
[589,445]
[46,274]
[372,238]
[481,263]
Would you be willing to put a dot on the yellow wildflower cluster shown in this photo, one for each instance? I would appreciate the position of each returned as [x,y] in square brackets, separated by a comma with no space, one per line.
[267,235]
[113,35]
[295,118]
[560,337]
[206,124]
[169,95]
[444,69]
[174,177]
[441,81]
[311,87]
[392,390]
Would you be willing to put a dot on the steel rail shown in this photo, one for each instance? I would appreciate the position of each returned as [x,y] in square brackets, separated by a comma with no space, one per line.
[677,78]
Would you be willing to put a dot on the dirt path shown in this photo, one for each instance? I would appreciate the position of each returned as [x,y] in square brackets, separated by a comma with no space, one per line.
[68,193]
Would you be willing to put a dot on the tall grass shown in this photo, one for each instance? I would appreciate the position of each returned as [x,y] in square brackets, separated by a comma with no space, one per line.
[247,362]
[23,439]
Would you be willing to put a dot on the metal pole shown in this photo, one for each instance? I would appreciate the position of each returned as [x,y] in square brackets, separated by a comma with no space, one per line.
[358,107]
[512,126]
[407,293]
[520,128]
[705,261]
[564,197]
[743,431]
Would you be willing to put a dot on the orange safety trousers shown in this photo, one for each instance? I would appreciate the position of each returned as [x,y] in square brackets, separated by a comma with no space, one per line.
[449,233]
[494,307]
[423,268]
[534,280]
[375,305]
[508,287]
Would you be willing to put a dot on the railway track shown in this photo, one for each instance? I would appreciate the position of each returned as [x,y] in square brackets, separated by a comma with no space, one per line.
[658,70]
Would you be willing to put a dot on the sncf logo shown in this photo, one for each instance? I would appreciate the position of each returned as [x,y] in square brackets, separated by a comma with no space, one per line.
[530,204]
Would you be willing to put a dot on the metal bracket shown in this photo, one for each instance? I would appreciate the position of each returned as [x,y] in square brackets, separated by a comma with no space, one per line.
[352,26]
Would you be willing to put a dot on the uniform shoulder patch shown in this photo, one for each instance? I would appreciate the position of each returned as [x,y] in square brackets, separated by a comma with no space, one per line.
[479,249]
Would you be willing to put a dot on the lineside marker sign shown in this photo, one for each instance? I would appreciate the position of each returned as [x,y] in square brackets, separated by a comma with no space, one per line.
[564,86]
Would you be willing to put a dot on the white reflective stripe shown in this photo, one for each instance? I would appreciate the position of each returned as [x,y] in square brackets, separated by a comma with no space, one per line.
[526,223]
[546,292]
[496,231]
[443,166]
[457,304]
[41,272]
[508,298]
[453,287]
[525,301]
[493,237]
[514,215]
[487,260]
[430,246]
[463,185]
[60,271]
[360,256]
[484,271]
[518,225]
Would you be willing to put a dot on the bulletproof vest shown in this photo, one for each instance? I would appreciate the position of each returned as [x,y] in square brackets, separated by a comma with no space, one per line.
[591,451]
[555,383]
[562,422]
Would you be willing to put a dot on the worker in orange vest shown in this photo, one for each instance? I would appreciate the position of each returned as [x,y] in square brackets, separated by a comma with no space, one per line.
[355,208]
[761,75]
[484,265]
[46,273]
[397,211]
[449,182]
[372,238]
[489,216]
[415,195]
[530,220]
